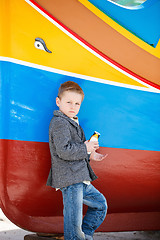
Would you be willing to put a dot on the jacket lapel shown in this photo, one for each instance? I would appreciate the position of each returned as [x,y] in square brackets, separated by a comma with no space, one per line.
[76,125]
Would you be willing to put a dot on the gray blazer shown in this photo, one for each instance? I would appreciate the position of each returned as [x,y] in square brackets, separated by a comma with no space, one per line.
[69,158]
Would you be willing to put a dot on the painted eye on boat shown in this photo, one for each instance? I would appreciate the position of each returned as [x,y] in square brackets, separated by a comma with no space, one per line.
[40,44]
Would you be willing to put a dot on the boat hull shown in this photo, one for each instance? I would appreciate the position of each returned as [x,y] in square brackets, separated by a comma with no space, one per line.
[122,102]
[129,179]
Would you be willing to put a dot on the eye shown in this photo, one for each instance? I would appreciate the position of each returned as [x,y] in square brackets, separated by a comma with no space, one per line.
[40,44]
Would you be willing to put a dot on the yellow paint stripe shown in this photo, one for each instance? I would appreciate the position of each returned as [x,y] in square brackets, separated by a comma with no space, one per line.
[121,30]
[25,24]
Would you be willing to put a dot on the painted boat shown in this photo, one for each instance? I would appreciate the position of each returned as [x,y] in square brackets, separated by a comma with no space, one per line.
[44,43]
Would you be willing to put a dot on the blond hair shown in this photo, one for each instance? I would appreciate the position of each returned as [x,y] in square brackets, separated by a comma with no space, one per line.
[70,86]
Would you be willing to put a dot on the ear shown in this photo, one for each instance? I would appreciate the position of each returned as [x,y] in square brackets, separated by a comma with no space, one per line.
[57,101]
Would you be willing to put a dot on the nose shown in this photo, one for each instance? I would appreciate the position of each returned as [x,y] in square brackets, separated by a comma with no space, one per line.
[72,106]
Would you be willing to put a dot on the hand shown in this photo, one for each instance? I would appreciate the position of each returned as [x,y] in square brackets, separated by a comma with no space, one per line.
[91,146]
[97,156]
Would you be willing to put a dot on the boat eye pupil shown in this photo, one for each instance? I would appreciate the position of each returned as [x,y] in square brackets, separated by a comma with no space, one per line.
[40,44]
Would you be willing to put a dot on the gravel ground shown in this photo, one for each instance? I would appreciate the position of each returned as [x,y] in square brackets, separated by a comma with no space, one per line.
[9,231]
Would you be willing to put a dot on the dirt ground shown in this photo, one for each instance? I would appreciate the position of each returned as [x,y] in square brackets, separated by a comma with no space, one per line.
[9,231]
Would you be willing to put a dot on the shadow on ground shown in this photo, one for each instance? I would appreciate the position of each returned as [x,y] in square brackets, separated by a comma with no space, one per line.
[18,234]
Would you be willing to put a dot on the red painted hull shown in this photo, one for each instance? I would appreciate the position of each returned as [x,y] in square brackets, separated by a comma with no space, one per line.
[129,179]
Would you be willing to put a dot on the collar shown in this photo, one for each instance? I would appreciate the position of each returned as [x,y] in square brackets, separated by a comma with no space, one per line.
[58,113]
[75,119]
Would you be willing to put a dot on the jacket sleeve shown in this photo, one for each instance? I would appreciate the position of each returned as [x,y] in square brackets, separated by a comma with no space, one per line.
[66,149]
[84,139]
[83,135]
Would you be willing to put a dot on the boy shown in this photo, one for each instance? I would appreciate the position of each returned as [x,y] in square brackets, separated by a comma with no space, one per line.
[70,168]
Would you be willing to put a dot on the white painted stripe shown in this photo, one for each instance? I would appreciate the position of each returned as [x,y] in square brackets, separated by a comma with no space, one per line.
[76,75]
[86,47]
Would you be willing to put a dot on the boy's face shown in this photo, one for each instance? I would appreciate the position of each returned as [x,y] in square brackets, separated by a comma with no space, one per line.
[69,103]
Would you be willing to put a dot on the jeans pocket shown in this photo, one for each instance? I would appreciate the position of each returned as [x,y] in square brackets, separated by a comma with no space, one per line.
[63,189]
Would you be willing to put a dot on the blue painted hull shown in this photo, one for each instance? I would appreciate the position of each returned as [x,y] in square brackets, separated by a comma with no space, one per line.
[126,118]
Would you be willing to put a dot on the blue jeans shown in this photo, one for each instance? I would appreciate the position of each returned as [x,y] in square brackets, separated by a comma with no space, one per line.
[75,226]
